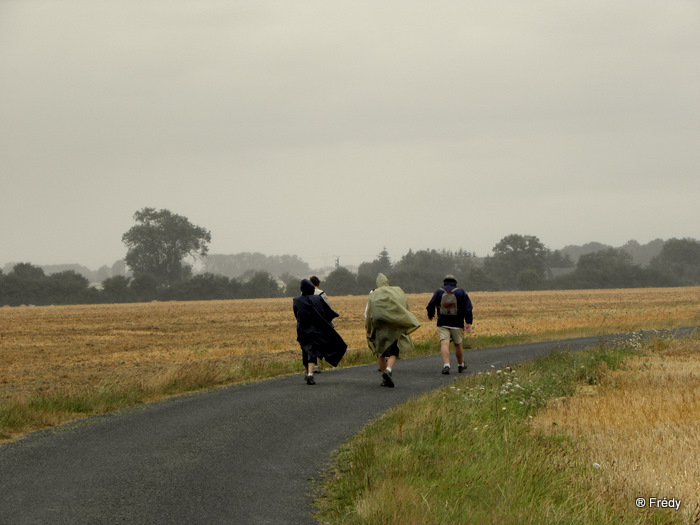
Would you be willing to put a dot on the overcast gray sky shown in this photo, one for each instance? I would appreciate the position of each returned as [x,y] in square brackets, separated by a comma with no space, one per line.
[337,128]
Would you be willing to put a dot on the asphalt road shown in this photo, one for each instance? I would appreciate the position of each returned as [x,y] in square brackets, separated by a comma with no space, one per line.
[237,455]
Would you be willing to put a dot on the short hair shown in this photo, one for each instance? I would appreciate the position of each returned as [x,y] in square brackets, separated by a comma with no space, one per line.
[315,280]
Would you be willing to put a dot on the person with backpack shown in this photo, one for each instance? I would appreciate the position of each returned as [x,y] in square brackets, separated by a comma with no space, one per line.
[454,317]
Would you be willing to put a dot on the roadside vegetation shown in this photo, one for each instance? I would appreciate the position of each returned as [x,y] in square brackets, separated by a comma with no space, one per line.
[568,438]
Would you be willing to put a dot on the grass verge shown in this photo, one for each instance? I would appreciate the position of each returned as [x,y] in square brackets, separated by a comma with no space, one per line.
[468,453]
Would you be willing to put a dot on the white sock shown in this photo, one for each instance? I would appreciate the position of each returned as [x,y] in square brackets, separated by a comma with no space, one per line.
[387,370]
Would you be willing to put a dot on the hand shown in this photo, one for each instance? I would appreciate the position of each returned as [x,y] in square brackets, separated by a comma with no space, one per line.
[468,328]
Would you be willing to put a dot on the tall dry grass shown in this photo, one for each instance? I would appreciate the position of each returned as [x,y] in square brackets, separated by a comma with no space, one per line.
[640,425]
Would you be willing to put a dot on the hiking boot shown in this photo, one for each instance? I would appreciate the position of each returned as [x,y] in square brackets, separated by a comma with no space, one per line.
[310,380]
[386,380]
[446,369]
[461,368]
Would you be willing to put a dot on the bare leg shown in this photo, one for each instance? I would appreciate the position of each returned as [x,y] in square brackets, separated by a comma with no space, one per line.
[445,351]
[385,363]
[459,354]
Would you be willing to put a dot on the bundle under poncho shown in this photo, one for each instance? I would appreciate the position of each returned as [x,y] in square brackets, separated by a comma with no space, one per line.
[389,319]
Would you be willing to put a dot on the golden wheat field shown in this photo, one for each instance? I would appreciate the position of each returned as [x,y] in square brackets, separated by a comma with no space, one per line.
[45,349]
[640,425]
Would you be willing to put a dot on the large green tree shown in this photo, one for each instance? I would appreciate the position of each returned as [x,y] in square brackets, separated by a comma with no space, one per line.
[519,261]
[159,244]
[341,281]
[611,268]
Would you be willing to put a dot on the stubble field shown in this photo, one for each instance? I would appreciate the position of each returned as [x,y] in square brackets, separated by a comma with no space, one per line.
[51,349]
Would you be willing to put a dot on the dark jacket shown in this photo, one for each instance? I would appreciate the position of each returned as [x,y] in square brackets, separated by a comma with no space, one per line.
[315,332]
[464,307]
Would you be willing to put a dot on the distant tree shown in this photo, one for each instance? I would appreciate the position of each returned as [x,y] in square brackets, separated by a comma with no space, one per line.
[7,290]
[116,289]
[29,284]
[280,264]
[67,287]
[50,269]
[160,242]
[478,279]
[611,268]
[424,270]
[529,280]
[680,260]
[292,285]
[575,252]
[558,259]
[204,286]
[102,273]
[237,265]
[261,284]
[28,272]
[643,254]
[341,281]
[23,285]
[367,271]
[144,287]
[119,267]
[514,254]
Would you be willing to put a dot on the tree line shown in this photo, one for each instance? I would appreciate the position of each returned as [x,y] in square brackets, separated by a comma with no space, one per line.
[27,284]
[162,246]
[522,262]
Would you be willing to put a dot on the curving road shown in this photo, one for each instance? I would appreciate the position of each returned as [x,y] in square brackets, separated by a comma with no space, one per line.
[237,455]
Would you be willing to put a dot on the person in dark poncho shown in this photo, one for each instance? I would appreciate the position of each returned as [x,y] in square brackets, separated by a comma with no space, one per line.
[315,332]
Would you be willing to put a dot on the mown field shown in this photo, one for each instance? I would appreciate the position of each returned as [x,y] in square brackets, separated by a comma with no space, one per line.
[67,352]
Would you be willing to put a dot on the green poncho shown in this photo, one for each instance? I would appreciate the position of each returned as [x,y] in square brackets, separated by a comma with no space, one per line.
[388,318]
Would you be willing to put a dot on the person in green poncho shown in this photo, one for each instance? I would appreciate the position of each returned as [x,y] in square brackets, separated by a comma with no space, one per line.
[388,322]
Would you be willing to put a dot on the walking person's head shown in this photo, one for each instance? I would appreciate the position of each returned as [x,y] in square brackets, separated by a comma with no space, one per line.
[450,279]
[307,287]
[382,280]
[315,281]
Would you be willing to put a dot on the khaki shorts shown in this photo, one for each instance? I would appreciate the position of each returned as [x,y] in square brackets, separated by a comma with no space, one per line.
[456,335]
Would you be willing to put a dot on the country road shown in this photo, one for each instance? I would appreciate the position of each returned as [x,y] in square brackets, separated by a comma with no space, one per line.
[236,455]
